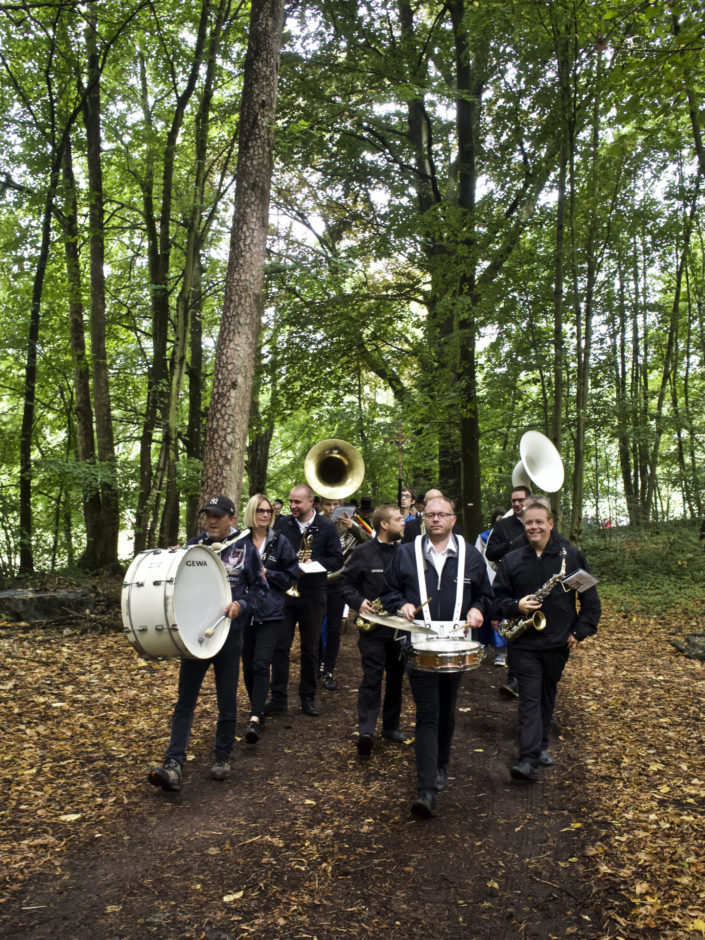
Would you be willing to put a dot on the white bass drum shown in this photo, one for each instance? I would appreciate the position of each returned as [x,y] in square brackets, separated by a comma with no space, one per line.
[173,603]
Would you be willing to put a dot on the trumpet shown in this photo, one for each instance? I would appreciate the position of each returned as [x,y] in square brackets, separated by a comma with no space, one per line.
[303,554]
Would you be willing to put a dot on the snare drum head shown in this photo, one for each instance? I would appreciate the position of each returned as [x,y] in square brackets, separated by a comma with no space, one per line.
[447,645]
[201,593]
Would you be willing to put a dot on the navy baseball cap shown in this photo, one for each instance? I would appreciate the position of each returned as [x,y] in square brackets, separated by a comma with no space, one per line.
[220,505]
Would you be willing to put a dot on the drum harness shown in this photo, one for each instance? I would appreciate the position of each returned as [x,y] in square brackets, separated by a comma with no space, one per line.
[460,580]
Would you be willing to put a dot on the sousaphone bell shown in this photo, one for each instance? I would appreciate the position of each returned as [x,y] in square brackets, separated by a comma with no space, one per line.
[334,468]
[540,464]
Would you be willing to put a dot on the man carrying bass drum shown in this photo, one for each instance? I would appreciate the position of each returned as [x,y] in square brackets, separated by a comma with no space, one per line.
[248,589]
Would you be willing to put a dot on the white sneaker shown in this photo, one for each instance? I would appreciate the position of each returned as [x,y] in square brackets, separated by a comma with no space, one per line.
[500,658]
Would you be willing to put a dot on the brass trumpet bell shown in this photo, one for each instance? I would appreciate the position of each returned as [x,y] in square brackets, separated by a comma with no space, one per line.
[334,468]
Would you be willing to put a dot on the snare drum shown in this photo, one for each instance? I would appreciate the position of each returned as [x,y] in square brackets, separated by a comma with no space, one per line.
[445,655]
[171,598]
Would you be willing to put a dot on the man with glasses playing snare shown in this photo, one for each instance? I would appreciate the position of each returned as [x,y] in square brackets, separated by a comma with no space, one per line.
[428,570]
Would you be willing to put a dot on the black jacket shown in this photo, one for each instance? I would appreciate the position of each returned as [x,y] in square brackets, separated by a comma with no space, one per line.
[523,572]
[282,570]
[325,549]
[401,584]
[506,535]
[363,576]
[247,584]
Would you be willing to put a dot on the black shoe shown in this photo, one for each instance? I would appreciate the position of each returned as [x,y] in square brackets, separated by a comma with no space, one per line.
[168,776]
[274,708]
[394,734]
[442,781]
[424,806]
[329,682]
[308,707]
[364,745]
[252,733]
[545,759]
[524,770]
[511,688]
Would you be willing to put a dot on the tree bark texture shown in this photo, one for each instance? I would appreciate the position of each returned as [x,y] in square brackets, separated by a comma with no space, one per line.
[236,349]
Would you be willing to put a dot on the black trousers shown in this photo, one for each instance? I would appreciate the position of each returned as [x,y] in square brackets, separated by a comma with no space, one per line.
[379,652]
[308,613]
[539,672]
[435,695]
[258,649]
[334,620]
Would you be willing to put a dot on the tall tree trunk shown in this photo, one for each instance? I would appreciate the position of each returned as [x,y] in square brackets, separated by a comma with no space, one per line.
[583,321]
[26,565]
[150,496]
[85,442]
[107,545]
[169,529]
[228,416]
[562,41]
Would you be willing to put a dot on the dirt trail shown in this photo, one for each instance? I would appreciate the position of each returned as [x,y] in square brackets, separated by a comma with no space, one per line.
[306,839]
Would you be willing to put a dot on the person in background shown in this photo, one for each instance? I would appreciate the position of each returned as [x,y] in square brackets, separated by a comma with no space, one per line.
[407,506]
[329,645]
[281,569]
[508,533]
[538,658]
[277,506]
[489,635]
[249,591]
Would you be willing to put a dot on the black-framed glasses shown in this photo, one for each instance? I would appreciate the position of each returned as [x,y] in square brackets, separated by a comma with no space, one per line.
[437,515]
[267,512]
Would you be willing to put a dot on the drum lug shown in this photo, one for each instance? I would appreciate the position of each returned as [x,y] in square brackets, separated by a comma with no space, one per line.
[142,629]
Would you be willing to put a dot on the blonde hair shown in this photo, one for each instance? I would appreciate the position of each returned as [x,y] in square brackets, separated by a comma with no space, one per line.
[538,502]
[249,518]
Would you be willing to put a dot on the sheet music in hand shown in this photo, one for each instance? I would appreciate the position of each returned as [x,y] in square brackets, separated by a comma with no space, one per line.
[579,580]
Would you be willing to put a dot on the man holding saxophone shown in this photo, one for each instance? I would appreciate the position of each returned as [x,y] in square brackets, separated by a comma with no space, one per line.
[528,579]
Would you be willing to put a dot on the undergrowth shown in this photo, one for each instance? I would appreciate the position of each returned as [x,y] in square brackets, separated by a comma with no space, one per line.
[655,570]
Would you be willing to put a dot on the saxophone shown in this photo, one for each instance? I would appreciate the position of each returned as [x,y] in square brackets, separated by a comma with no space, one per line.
[514,627]
[367,626]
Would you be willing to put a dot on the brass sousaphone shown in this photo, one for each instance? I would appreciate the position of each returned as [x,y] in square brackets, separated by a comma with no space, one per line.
[334,468]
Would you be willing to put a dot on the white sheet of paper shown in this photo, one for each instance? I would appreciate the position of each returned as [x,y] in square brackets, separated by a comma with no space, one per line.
[311,567]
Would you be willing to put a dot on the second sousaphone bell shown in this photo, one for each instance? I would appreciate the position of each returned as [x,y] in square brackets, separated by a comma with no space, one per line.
[540,464]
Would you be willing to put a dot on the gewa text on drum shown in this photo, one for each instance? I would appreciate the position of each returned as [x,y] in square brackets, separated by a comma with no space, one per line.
[173,602]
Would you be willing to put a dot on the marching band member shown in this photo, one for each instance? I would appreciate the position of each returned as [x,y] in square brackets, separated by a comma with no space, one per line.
[249,590]
[361,583]
[538,658]
[508,533]
[281,569]
[329,645]
[427,570]
[307,608]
